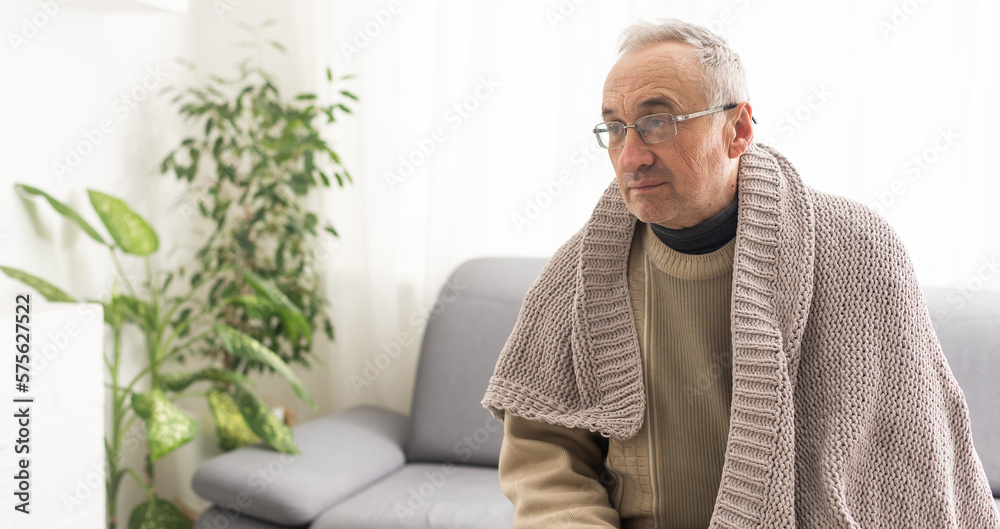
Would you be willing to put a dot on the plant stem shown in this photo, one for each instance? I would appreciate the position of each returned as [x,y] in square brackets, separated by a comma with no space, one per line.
[150,474]
[188,343]
[151,283]
[146,487]
[121,271]
[113,451]
[180,328]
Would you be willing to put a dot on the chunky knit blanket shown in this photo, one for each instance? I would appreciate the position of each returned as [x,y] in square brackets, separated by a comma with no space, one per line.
[844,411]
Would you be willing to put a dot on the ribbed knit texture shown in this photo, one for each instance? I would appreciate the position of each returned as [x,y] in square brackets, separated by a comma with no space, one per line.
[844,411]
[681,306]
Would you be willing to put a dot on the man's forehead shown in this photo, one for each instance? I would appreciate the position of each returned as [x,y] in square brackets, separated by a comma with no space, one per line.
[662,75]
[644,103]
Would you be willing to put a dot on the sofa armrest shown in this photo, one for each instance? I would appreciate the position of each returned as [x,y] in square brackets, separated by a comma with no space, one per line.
[341,454]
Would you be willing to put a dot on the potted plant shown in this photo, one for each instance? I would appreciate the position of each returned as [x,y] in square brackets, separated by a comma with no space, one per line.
[252,160]
[166,318]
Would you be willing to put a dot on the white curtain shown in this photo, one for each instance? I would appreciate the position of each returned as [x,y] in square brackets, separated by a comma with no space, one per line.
[472,138]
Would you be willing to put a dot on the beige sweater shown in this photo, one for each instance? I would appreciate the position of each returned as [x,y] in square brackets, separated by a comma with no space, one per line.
[667,475]
[844,412]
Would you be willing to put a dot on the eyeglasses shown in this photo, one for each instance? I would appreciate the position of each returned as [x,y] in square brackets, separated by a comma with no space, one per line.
[654,128]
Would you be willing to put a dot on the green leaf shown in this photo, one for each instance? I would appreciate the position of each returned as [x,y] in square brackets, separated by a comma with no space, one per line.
[291,315]
[328,329]
[345,93]
[64,210]
[309,162]
[229,423]
[111,315]
[182,317]
[167,163]
[157,514]
[167,427]
[134,310]
[333,155]
[329,74]
[46,289]
[132,233]
[305,97]
[262,421]
[255,307]
[243,346]
[166,281]
[180,381]
[311,221]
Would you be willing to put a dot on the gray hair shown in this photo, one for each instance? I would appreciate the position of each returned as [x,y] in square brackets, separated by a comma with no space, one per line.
[723,79]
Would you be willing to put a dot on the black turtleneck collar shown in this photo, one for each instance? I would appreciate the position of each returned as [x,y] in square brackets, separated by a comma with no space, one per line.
[704,238]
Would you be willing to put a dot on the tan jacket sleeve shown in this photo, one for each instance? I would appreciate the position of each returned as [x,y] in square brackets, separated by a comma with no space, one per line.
[552,475]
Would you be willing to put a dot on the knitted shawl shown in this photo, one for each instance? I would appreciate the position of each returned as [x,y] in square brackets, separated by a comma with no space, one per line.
[844,411]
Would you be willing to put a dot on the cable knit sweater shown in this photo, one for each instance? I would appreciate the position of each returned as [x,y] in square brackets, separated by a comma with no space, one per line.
[844,411]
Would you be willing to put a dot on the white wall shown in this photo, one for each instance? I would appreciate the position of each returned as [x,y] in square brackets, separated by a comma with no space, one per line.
[57,89]
[59,430]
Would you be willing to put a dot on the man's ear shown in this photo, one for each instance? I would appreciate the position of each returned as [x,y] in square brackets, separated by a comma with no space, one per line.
[743,128]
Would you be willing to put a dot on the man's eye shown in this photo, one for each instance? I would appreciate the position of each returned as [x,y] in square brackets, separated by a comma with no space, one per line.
[656,123]
[615,128]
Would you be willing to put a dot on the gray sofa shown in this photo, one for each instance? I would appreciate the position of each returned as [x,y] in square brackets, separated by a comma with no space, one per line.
[368,468]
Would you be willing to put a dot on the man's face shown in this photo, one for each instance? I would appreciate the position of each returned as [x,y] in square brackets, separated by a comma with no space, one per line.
[689,178]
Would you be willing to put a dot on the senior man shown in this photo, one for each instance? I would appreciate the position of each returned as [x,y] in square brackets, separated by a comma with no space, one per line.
[721,345]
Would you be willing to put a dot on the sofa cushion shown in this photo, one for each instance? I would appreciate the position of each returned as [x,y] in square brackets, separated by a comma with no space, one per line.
[468,327]
[217,518]
[426,496]
[968,327]
[341,454]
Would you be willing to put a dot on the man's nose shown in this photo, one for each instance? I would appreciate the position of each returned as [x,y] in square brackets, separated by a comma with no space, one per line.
[635,153]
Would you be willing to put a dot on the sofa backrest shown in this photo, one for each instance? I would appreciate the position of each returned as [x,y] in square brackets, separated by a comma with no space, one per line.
[476,310]
[968,326]
[468,326]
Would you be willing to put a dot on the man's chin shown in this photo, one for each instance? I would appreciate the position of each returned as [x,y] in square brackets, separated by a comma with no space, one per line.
[649,210]
[651,217]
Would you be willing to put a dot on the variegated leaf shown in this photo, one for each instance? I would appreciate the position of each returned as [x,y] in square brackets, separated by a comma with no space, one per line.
[167,427]
[132,233]
[46,289]
[157,514]
[180,381]
[243,346]
[229,423]
[262,421]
